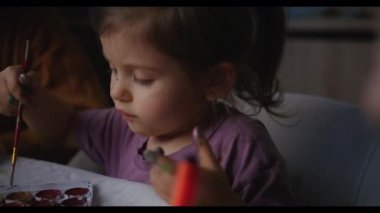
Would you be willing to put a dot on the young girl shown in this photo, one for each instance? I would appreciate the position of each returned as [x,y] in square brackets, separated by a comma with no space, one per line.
[170,67]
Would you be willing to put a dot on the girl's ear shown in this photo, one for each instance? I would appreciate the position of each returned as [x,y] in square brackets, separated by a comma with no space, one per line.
[220,81]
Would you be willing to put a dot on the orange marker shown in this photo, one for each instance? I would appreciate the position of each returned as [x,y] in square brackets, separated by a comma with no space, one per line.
[185,184]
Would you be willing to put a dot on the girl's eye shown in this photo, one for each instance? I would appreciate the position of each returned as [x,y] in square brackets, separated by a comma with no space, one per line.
[143,82]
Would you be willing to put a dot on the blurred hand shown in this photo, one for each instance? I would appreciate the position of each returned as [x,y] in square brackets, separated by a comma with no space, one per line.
[213,185]
[370,96]
[15,87]
[162,177]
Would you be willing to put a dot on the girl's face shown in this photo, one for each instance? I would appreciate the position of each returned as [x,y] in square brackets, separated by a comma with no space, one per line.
[150,89]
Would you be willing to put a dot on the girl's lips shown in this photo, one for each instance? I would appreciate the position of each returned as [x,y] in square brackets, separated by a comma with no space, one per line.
[127,116]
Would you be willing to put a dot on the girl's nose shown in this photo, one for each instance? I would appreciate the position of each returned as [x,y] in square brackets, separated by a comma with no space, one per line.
[120,92]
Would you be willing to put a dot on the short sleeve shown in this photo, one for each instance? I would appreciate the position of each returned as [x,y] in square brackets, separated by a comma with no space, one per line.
[255,168]
[268,187]
[98,131]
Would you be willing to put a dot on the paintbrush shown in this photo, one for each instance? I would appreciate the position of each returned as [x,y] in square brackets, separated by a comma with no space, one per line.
[20,109]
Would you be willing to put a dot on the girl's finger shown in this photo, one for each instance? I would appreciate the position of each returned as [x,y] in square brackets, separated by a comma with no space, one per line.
[12,101]
[8,111]
[207,159]
[161,182]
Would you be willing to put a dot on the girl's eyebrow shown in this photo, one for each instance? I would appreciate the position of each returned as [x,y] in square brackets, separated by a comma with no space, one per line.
[145,68]
[148,68]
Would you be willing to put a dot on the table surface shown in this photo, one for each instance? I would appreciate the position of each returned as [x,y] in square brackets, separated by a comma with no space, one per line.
[108,191]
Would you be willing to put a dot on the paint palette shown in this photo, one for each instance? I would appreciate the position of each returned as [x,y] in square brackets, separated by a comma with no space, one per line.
[54,194]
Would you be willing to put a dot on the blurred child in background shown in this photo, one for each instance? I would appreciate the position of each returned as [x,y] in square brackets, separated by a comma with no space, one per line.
[63,68]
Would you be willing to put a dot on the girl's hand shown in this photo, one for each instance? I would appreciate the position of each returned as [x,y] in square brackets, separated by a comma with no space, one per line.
[213,185]
[162,177]
[15,87]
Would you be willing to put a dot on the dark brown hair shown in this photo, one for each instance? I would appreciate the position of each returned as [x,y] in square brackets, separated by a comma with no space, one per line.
[201,37]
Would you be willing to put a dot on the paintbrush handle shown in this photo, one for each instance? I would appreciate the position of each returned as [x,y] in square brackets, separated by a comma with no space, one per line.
[185,184]
[25,67]
[16,139]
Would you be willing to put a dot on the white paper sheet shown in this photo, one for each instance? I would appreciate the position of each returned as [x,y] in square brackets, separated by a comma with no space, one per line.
[107,191]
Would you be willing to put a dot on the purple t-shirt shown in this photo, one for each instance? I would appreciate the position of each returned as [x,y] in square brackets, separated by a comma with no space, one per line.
[241,144]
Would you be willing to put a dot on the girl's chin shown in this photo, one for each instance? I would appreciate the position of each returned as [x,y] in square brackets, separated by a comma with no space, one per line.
[144,130]
[138,130]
